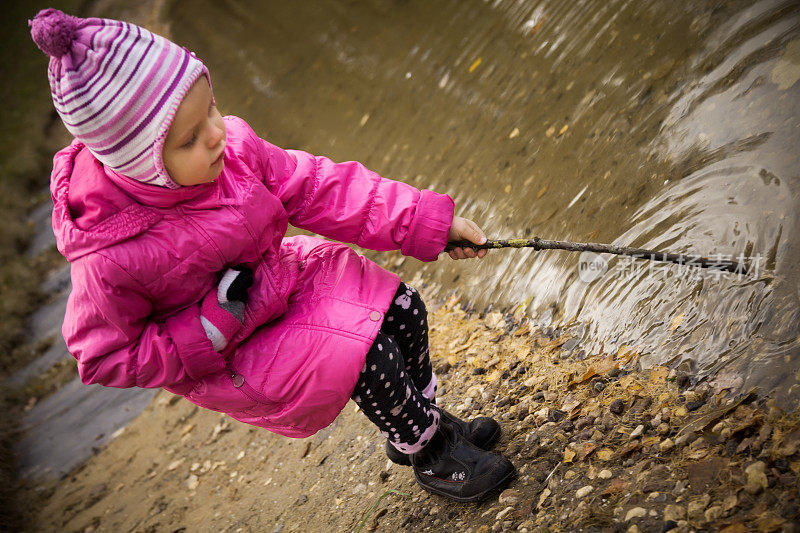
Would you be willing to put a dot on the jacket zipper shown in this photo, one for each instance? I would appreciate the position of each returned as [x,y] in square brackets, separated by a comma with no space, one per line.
[240,383]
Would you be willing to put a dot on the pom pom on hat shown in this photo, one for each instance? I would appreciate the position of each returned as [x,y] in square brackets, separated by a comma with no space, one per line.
[53,31]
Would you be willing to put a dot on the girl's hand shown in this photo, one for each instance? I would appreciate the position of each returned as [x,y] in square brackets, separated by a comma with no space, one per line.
[463,229]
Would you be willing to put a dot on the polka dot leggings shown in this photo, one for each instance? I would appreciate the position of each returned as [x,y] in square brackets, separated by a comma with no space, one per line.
[397,385]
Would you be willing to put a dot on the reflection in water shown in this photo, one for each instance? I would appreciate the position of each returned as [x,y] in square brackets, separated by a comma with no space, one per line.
[666,125]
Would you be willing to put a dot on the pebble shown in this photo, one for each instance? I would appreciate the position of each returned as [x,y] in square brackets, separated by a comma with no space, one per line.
[509,497]
[192,481]
[636,512]
[584,491]
[504,512]
[694,406]
[666,445]
[685,438]
[663,428]
[556,415]
[697,506]
[637,432]
[605,474]
[756,478]
[583,422]
[599,386]
[674,513]
[713,513]
[669,525]
[617,406]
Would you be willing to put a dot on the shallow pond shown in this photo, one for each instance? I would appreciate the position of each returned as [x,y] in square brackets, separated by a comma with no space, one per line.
[670,125]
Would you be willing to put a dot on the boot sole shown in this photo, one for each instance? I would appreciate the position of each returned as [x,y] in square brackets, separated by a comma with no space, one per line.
[471,499]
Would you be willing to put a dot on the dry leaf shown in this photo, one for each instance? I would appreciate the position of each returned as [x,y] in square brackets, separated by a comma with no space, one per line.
[605,454]
[569,455]
[543,496]
[658,374]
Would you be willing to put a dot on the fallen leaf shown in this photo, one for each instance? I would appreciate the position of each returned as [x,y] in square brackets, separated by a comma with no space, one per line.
[587,449]
[789,444]
[658,374]
[589,374]
[543,496]
[569,455]
[605,454]
[629,448]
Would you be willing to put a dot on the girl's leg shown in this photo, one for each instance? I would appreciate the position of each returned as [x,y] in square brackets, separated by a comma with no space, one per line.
[388,396]
[406,322]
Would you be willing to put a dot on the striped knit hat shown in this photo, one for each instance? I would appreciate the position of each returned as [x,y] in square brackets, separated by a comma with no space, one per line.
[117,87]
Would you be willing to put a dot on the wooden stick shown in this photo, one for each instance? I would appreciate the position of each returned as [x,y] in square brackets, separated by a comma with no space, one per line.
[640,253]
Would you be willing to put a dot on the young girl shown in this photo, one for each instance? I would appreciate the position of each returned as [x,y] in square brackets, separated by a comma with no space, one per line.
[174,220]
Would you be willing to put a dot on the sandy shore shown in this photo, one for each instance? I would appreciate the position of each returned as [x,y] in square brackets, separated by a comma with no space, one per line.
[598,444]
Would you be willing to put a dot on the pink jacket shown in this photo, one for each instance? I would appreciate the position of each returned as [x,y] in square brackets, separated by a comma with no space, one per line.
[143,257]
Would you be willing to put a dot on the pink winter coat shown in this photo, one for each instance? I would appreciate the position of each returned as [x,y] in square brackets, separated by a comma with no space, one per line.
[143,257]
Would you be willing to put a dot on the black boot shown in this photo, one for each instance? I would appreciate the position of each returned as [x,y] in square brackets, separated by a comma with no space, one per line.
[450,466]
[483,432]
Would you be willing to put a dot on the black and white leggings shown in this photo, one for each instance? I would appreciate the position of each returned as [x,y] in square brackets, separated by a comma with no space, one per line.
[397,385]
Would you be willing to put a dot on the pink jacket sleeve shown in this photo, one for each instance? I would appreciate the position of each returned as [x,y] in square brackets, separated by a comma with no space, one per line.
[108,329]
[349,203]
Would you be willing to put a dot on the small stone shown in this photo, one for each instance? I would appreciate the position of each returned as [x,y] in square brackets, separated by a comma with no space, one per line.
[636,512]
[192,482]
[694,406]
[662,429]
[510,497]
[599,386]
[674,513]
[666,445]
[697,506]
[669,525]
[617,406]
[633,529]
[685,438]
[584,491]
[556,415]
[605,474]
[637,432]
[756,478]
[583,422]
[713,513]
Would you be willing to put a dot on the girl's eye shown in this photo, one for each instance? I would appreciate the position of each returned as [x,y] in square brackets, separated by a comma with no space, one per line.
[190,142]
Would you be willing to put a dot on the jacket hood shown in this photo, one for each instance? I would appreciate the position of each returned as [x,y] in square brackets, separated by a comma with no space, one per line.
[89,211]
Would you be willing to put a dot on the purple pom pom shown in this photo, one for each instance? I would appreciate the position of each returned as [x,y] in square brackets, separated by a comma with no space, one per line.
[53,31]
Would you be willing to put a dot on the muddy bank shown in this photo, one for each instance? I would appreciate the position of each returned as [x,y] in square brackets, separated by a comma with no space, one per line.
[598,444]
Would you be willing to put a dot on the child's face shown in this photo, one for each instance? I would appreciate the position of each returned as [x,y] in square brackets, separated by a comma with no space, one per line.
[196,139]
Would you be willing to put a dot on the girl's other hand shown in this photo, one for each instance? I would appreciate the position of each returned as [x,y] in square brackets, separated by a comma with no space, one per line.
[463,229]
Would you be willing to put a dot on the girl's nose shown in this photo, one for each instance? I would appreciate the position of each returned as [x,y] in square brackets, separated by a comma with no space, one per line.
[216,135]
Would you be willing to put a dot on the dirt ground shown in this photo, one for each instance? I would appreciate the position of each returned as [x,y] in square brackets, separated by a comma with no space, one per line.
[598,445]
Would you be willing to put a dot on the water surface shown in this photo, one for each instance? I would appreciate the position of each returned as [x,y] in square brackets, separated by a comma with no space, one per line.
[666,125]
